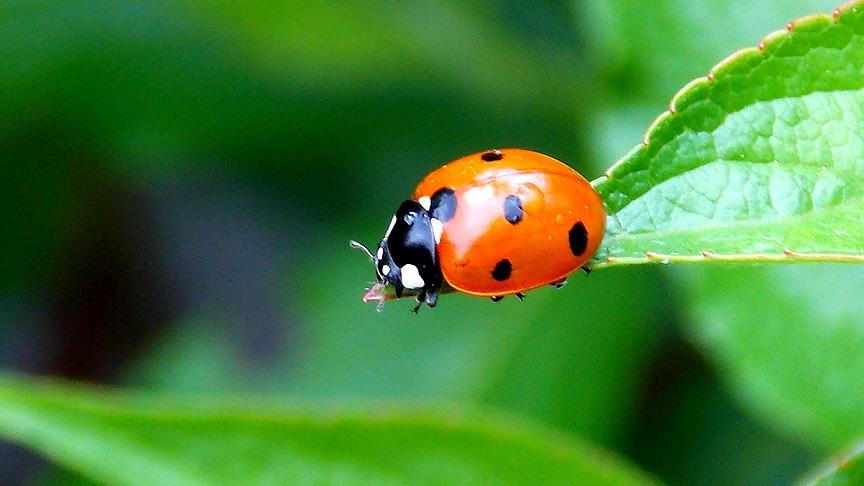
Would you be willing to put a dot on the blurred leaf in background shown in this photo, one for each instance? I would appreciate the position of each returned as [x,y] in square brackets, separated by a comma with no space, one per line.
[170,440]
[790,344]
[690,431]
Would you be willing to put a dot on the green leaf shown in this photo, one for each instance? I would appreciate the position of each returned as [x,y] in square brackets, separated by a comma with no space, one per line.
[788,339]
[847,469]
[159,440]
[761,160]
[643,54]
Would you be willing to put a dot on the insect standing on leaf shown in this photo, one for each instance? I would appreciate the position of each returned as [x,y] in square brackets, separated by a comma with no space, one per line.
[490,224]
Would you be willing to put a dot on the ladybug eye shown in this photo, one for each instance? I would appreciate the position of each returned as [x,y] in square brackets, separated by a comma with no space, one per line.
[408,218]
[492,156]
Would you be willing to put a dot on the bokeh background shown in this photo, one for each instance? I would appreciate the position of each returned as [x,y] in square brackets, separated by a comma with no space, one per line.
[179,180]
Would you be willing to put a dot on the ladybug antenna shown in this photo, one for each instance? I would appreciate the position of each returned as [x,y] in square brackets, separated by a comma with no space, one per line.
[362,247]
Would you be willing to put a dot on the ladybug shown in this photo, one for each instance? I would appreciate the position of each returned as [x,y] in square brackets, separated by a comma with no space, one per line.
[490,224]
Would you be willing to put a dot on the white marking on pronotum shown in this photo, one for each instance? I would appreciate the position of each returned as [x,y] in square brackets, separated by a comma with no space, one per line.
[411,277]
[380,252]
[390,228]
[437,229]
[426,202]
[385,269]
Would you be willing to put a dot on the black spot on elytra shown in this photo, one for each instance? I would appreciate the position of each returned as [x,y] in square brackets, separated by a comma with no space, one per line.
[502,270]
[578,237]
[513,212]
[492,156]
[443,206]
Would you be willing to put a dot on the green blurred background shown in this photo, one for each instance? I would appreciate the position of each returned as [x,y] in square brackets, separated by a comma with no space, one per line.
[179,180]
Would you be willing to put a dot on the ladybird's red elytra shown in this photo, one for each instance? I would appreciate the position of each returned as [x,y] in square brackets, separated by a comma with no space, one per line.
[491,224]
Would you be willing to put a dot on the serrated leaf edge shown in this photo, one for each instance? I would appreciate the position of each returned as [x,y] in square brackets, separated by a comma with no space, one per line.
[727,62]
[788,255]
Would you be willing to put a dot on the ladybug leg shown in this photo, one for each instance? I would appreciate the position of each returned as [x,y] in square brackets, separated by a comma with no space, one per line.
[421,297]
[397,289]
[586,270]
[559,284]
[496,298]
[431,298]
[520,296]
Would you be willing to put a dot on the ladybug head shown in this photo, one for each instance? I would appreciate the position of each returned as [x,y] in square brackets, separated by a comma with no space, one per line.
[406,257]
